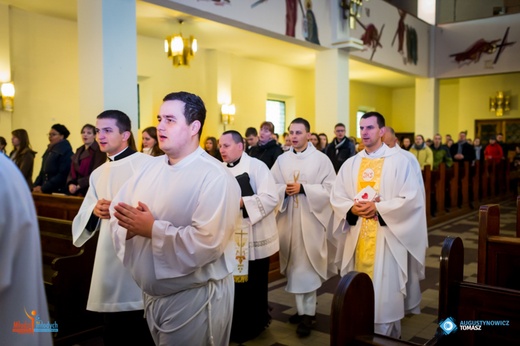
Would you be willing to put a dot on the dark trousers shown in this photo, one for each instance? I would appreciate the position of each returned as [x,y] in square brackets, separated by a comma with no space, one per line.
[250,309]
[126,328]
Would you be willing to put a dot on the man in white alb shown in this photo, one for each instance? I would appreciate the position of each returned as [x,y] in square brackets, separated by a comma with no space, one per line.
[304,177]
[173,228]
[22,295]
[256,240]
[113,292]
[380,224]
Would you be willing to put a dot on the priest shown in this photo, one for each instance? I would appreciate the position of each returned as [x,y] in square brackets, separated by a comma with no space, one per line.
[380,225]
[255,240]
[304,177]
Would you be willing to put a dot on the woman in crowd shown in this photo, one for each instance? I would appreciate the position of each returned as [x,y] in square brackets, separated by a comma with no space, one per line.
[267,149]
[211,147]
[22,154]
[324,141]
[315,140]
[406,143]
[3,144]
[87,158]
[55,162]
[150,144]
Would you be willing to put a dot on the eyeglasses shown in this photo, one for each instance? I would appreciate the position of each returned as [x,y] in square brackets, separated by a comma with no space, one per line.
[53,134]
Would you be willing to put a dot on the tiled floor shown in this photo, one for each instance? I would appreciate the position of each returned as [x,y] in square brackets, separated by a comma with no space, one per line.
[415,328]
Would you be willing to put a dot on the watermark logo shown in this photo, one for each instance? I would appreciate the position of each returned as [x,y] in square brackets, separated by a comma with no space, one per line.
[448,325]
[34,325]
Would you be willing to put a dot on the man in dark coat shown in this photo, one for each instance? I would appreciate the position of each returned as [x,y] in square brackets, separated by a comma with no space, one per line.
[341,148]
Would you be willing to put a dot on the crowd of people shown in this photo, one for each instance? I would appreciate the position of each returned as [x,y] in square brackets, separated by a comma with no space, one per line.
[434,152]
[186,233]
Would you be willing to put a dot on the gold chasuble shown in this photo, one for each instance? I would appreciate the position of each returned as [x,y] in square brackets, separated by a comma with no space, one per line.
[369,175]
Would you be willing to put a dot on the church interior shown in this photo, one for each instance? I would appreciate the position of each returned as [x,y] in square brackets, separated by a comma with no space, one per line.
[68,60]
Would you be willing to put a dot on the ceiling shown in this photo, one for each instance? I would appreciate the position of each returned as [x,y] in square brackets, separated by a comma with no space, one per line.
[156,21]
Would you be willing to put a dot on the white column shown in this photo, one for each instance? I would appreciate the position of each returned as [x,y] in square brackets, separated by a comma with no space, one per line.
[332,89]
[107,39]
[426,107]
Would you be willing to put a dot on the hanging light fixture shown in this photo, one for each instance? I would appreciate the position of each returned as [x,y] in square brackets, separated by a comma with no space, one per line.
[180,49]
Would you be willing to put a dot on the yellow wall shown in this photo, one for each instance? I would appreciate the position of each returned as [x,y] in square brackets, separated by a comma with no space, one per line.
[462,101]
[368,97]
[403,110]
[449,107]
[44,64]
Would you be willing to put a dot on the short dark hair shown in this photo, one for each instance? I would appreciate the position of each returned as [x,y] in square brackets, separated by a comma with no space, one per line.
[194,108]
[235,135]
[338,125]
[251,131]
[123,122]
[380,118]
[303,122]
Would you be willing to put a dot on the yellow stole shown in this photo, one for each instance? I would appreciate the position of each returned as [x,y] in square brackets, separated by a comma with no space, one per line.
[369,175]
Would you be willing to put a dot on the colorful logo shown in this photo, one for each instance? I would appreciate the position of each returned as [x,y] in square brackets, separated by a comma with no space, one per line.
[34,325]
[448,325]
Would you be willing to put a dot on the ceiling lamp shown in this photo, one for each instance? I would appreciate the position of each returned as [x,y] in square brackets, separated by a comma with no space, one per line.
[180,49]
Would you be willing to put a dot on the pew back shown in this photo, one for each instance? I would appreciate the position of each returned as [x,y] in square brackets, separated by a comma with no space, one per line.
[498,256]
[465,301]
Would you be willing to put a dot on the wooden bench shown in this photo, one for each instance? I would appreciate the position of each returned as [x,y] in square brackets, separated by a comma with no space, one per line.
[466,301]
[352,314]
[67,270]
[57,206]
[352,311]
[498,256]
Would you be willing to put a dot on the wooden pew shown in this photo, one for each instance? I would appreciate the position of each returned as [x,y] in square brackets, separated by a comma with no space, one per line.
[465,301]
[498,256]
[352,314]
[57,206]
[67,270]
[427,180]
[518,216]
[352,310]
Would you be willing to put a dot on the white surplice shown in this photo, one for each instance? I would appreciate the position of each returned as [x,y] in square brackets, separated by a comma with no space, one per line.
[21,278]
[263,234]
[196,206]
[112,288]
[304,220]
[400,245]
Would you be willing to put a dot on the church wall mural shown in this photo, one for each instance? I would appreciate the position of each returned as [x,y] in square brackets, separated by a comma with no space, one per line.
[380,34]
[390,37]
[480,47]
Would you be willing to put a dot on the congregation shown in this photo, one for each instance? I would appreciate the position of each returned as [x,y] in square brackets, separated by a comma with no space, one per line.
[196,265]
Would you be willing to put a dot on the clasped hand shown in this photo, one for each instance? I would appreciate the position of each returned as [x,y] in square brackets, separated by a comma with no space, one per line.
[365,209]
[137,221]
[292,189]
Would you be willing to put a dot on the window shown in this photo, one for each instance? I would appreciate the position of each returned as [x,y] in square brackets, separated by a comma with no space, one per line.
[275,113]
[359,114]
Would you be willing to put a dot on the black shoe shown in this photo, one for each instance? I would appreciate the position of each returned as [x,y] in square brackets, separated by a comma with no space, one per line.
[295,319]
[304,328]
